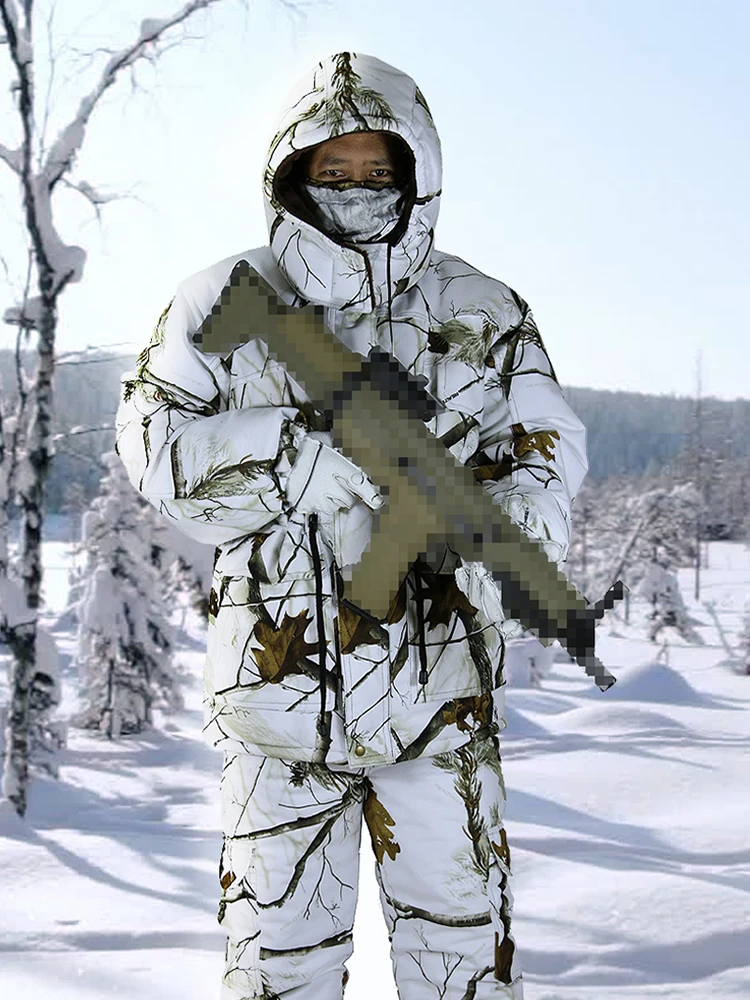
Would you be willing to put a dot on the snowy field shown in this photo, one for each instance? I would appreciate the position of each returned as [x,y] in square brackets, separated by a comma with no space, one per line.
[627,818]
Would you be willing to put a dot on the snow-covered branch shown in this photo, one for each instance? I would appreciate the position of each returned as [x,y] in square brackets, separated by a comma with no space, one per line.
[13,158]
[63,151]
[27,315]
[81,430]
[63,359]
[96,198]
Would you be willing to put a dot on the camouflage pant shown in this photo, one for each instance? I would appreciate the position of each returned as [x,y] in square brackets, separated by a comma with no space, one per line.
[290,863]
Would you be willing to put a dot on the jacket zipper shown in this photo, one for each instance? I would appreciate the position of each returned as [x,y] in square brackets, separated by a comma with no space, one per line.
[420,625]
[323,727]
[336,633]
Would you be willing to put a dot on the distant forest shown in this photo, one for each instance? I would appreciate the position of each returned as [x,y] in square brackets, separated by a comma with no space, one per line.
[630,434]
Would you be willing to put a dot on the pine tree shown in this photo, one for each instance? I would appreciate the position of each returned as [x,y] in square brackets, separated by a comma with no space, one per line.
[125,640]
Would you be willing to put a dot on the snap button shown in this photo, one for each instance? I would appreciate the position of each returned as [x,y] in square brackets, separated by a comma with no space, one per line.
[359,751]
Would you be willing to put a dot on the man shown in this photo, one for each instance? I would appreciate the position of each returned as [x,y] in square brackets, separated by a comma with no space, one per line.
[324,714]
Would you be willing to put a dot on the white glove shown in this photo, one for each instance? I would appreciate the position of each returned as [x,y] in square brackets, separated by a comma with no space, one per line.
[348,532]
[323,481]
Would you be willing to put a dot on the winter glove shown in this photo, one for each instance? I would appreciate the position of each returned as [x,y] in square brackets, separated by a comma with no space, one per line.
[343,496]
[323,481]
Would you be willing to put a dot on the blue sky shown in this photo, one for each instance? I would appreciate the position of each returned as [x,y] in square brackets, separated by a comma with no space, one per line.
[595,159]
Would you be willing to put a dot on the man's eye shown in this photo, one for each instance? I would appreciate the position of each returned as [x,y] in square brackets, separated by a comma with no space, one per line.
[330,171]
[381,170]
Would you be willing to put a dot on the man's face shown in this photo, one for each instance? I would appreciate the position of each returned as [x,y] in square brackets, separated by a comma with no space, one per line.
[355,156]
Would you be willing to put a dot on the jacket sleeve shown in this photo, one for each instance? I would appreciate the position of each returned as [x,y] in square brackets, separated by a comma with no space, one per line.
[208,454]
[532,448]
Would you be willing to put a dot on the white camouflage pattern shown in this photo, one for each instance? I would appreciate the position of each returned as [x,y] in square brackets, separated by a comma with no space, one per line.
[210,440]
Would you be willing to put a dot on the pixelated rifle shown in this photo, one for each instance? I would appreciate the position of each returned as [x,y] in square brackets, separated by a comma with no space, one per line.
[378,411]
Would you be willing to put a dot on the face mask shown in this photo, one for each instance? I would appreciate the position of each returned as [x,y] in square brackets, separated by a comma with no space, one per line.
[358,213]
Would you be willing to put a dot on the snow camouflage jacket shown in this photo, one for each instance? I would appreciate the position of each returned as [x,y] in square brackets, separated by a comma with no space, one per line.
[209,441]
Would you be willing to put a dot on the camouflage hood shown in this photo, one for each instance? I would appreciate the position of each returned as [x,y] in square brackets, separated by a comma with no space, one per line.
[350,92]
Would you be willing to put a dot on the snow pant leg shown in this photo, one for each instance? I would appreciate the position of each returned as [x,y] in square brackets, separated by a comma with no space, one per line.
[289,872]
[443,866]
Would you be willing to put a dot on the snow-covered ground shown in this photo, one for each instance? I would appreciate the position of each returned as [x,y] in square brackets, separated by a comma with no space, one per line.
[627,818]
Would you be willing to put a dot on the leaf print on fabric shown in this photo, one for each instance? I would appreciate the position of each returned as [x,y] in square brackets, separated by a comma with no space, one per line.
[256,564]
[540,441]
[524,352]
[468,336]
[469,788]
[437,343]
[142,361]
[378,820]
[445,599]
[355,630]
[420,99]
[216,479]
[284,647]
[230,480]
[456,712]
[351,97]
[213,603]
[502,850]
[397,610]
[463,763]
[494,471]
[523,443]
[504,955]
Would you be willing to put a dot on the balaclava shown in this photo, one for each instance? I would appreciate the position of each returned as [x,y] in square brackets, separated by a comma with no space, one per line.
[361,212]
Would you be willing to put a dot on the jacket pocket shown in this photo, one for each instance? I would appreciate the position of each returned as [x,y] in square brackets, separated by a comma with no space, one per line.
[449,656]
[262,650]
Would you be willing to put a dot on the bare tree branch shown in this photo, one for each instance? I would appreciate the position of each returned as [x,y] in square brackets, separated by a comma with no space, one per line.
[51,57]
[81,430]
[61,359]
[11,157]
[4,263]
[67,145]
[60,264]
[96,198]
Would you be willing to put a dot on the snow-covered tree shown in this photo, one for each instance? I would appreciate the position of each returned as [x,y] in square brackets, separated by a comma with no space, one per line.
[67,620]
[41,170]
[624,518]
[659,586]
[744,647]
[125,639]
[194,570]
[74,506]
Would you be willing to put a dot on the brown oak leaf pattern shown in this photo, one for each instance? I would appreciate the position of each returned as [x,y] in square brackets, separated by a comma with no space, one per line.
[477,705]
[378,820]
[540,441]
[445,599]
[354,629]
[284,647]
[502,850]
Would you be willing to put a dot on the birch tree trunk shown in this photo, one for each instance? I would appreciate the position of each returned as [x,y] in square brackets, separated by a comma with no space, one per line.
[31,493]
[56,265]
